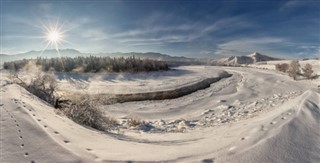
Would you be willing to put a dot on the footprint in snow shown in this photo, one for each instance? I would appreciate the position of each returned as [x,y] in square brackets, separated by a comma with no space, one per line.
[208,161]
[244,138]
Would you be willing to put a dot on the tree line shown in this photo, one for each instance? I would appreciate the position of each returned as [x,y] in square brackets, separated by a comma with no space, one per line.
[90,64]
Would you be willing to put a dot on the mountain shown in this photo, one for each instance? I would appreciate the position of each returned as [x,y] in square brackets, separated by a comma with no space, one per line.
[247,59]
[257,57]
[34,54]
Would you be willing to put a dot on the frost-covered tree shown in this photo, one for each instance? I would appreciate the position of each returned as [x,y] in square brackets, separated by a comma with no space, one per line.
[92,64]
[294,69]
[307,71]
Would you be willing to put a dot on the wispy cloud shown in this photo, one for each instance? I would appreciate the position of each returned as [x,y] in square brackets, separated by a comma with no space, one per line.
[293,4]
[249,45]
[180,33]
[94,34]
[45,7]
[309,51]
[7,50]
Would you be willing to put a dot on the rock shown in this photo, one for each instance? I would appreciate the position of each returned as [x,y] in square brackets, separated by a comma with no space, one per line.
[236,102]
[145,126]
[223,107]
[224,120]
[207,111]
[160,122]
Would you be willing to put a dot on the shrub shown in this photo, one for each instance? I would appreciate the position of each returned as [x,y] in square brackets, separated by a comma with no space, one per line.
[282,67]
[294,69]
[134,122]
[307,71]
[42,86]
[87,113]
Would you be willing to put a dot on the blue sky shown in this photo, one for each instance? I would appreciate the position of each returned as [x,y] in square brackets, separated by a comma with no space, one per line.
[182,28]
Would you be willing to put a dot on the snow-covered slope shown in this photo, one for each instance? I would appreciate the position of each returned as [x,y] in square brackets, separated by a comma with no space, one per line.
[253,116]
[248,59]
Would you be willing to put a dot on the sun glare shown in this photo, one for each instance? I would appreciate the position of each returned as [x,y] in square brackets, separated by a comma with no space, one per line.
[54,36]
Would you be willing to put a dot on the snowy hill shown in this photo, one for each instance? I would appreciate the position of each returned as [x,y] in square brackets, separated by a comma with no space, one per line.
[247,59]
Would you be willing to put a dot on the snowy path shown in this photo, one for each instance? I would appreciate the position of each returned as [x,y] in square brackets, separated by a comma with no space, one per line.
[24,134]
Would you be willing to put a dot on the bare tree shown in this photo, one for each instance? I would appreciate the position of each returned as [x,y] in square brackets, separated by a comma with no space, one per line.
[294,69]
[44,86]
[307,71]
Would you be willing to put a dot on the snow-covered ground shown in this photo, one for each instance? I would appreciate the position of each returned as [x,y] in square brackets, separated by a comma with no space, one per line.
[123,83]
[253,116]
[271,64]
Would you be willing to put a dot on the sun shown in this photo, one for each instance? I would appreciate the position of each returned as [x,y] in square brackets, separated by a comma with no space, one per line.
[54,36]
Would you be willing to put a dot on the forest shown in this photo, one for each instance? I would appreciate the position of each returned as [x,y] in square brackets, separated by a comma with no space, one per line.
[90,64]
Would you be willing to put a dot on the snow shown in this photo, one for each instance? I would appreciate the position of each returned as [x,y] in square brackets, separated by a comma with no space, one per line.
[253,116]
[115,83]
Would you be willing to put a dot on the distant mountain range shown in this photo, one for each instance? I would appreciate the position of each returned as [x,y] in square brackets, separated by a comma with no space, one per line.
[233,60]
